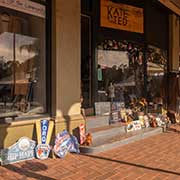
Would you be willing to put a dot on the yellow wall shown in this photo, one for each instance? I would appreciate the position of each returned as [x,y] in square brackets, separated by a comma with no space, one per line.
[11,132]
[66,64]
[67,57]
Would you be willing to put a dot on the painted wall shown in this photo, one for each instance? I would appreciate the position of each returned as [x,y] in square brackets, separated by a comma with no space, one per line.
[66,66]
[66,63]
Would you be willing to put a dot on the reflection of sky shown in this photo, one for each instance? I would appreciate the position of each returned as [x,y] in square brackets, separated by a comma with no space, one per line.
[6,47]
[110,58]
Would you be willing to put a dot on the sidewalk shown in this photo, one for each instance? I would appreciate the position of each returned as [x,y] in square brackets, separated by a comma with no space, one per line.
[155,158]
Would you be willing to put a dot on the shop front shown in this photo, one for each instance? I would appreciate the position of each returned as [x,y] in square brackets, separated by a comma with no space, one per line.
[132,60]
[39,67]
[114,57]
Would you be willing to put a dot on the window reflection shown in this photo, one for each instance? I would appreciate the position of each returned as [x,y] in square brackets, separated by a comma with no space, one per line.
[18,67]
[156,70]
[120,63]
[22,64]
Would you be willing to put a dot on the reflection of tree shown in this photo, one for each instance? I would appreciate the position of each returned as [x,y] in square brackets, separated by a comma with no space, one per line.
[131,73]
[19,73]
[30,47]
[5,69]
[156,55]
[29,65]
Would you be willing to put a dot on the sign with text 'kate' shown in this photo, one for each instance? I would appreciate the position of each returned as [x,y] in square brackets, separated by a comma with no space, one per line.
[121,16]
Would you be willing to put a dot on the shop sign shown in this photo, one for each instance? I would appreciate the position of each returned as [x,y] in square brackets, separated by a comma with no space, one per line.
[20,151]
[82,133]
[121,16]
[44,130]
[137,125]
[65,143]
[133,126]
[115,111]
[25,6]
[130,127]
[42,151]
[61,144]
[102,108]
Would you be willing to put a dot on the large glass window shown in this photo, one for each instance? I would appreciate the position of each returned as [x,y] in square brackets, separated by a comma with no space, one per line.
[156,70]
[22,63]
[120,65]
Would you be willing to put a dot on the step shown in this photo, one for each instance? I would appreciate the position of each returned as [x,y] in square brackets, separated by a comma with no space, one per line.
[109,131]
[96,121]
[100,145]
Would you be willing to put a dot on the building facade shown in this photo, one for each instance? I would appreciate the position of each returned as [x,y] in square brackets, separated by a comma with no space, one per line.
[49,57]
[148,33]
[43,47]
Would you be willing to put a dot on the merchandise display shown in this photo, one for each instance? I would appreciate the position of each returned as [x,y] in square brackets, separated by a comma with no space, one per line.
[123,79]
[88,140]
[65,143]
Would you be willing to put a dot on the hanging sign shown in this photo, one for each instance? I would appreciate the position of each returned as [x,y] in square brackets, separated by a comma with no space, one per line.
[122,16]
[44,130]
[25,6]
[20,151]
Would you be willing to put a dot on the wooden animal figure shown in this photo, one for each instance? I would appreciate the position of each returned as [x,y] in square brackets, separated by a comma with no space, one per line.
[153,123]
[88,140]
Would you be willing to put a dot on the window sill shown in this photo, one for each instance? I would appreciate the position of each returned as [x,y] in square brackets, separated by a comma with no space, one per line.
[21,121]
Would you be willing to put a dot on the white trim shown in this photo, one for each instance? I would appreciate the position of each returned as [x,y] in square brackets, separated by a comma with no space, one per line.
[25,6]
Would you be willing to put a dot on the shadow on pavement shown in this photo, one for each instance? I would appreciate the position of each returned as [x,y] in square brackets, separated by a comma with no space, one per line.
[34,166]
[132,164]
[173,130]
[26,170]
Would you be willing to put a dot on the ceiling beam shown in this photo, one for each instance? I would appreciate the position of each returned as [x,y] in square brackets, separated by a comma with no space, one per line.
[173,5]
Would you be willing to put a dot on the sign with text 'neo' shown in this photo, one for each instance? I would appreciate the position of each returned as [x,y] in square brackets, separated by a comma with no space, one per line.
[122,16]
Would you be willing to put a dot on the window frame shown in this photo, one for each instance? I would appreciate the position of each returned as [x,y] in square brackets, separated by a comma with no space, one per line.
[48,106]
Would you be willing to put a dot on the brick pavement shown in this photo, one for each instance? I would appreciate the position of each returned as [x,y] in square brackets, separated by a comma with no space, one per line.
[155,158]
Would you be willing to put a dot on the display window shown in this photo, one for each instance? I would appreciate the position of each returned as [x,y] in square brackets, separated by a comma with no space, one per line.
[22,59]
[156,72]
[120,66]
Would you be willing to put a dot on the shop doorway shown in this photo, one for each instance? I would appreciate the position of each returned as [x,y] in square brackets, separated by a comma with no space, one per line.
[86,61]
